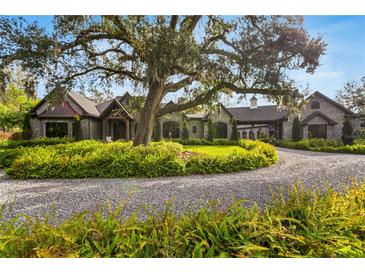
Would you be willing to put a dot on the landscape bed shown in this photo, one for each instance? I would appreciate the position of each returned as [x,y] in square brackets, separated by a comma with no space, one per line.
[320,145]
[120,159]
[305,224]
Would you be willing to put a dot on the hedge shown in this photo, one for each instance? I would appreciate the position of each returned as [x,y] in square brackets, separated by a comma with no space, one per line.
[42,141]
[120,159]
[306,224]
[205,142]
[319,145]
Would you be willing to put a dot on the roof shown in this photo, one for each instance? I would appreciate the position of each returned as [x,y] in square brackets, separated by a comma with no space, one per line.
[86,104]
[329,100]
[260,114]
[104,105]
[320,114]
[63,110]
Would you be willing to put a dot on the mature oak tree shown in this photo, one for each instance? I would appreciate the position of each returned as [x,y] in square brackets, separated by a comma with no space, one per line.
[197,57]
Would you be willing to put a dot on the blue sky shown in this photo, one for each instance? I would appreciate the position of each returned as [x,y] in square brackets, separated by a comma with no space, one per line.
[344,61]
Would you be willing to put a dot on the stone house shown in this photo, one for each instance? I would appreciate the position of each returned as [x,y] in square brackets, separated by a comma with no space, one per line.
[118,119]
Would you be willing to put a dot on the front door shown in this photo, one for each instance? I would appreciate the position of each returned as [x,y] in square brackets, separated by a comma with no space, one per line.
[317,131]
[118,130]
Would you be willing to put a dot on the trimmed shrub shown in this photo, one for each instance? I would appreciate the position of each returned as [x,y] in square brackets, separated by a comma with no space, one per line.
[211,133]
[347,133]
[120,159]
[319,145]
[185,131]
[234,134]
[77,132]
[308,223]
[42,141]
[26,127]
[258,154]
[205,142]
[296,130]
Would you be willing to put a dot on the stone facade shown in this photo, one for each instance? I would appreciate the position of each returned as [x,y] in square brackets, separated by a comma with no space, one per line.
[98,121]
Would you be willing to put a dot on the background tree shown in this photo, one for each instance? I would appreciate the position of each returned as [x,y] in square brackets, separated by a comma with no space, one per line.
[195,57]
[211,131]
[185,131]
[296,129]
[347,133]
[14,104]
[234,134]
[352,95]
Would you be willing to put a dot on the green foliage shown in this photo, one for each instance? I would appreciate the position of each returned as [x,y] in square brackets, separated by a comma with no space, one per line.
[296,130]
[42,141]
[26,127]
[185,131]
[156,134]
[320,145]
[14,105]
[77,132]
[205,142]
[120,159]
[256,154]
[211,131]
[347,133]
[305,224]
[234,134]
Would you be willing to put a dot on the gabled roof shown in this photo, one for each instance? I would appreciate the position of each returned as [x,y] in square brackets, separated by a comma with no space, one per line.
[112,103]
[63,110]
[259,114]
[329,100]
[320,114]
[85,104]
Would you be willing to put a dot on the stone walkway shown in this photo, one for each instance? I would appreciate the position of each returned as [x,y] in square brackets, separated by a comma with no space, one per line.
[313,169]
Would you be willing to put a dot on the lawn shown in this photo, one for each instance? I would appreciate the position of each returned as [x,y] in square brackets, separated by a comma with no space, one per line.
[215,150]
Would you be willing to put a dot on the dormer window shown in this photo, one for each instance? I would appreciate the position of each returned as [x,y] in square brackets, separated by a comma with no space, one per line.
[315,105]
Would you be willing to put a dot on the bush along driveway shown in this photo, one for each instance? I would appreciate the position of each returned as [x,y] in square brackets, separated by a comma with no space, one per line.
[313,169]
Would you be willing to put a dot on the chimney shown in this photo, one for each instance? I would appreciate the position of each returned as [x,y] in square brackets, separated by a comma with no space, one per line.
[253,103]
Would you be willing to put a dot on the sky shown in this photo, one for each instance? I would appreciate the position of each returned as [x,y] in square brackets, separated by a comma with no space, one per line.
[344,60]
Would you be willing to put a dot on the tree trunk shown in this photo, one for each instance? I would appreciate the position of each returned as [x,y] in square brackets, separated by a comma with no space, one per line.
[148,115]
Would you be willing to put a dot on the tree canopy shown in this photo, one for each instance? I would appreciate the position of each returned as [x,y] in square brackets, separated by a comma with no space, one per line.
[195,57]
[352,95]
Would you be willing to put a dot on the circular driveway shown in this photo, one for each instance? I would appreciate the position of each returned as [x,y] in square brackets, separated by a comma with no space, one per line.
[313,169]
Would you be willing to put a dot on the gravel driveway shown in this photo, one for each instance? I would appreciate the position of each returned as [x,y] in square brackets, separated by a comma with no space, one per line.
[75,195]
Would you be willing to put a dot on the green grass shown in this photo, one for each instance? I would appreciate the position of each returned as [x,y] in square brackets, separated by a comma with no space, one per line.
[215,150]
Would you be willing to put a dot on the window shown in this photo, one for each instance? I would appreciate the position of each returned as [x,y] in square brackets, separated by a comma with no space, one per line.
[315,105]
[195,130]
[56,129]
[171,130]
[244,135]
[220,130]
[317,131]
[251,135]
[261,134]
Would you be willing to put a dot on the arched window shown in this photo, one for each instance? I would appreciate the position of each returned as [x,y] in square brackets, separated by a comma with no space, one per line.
[261,134]
[315,105]
[244,135]
[251,135]
[220,130]
[171,130]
